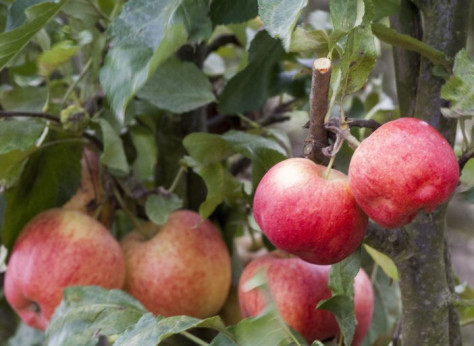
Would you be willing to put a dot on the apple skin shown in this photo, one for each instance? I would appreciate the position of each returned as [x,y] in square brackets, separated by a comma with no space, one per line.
[184,269]
[56,249]
[403,167]
[297,287]
[307,215]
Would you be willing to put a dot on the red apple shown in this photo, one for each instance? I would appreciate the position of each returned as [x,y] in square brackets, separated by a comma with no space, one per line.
[308,215]
[404,167]
[184,269]
[297,287]
[56,249]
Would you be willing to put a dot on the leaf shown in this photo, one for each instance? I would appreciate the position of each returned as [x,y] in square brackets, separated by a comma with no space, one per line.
[459,89]
[147,153]
[231,11]
[341,303]
[384,262]
[59,54]
[19,135]
[345,14]
[114,154]
[86,312]
[16,12]
[200,144]
[181,78]
[50,177]
[26,335]
[144,35]
[151,330]
[466,312]
[304,41]
[27,99]
[280,17]
[357,59]
[384,8]
[12,42]
[249,89]
[158,207]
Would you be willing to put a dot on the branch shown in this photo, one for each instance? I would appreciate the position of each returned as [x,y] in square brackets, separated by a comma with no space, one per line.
[46,116]
[317,138]
[391,242]
[221,41]
[465,157]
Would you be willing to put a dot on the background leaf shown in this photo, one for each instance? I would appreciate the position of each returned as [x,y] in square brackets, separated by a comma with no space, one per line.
[50,177]
[144,35]
[175,77]
[280,17]
[114,154]
[12,42]
[249,89]
[231,11]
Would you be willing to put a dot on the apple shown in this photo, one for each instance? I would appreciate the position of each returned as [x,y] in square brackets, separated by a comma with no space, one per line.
[56,249]
[183,269]
[297,287]
[402,168]
[307,214]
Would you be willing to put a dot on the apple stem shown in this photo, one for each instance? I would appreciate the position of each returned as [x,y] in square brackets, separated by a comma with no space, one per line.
[329,167]
[176,180]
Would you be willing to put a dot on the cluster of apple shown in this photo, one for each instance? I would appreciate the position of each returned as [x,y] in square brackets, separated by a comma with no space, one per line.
[321,216]
[182,267]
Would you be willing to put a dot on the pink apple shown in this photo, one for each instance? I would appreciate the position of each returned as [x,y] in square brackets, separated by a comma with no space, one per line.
[404,167]
[183,269]
[308,215]
[56,249]
[297,287]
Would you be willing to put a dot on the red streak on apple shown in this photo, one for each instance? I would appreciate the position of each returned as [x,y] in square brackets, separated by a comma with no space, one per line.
[403,168]
[307,215]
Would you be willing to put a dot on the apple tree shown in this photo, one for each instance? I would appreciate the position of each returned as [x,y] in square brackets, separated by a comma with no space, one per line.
[188,103]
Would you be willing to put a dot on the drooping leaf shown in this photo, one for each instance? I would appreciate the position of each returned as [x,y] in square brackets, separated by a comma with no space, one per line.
[231,11]
[181,78]
[341,303]
[249,89]
[385,262]
[49,179]
[151,330]
[144,35]
[13,41]
[87,312]
[357,59]
[147,153]
[114,154]
[59,54]
[280,17]
[158,207]
[459,89]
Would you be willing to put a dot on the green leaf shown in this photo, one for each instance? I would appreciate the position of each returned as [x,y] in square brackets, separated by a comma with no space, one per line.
[147,153]
[12,42]
[26,335]
[280,17]
[385,262]
[151,330]
[341,303]
[114,154]
[304,41]
[231,11]
[459,89]
[16,12]
[49,179]
[158,207]
[357,59]
[466,312]
[27,99]
[59,54]
[87,312]
[175,77]
[264,152]
[384,8]
[249,89]
[200,144]
[345,14]
[19,135]
[144,35]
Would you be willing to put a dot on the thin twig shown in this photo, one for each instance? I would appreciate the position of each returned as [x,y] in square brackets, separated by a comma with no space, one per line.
[41,115]
[465,157]
[221,41]
[370,123]
[317,137]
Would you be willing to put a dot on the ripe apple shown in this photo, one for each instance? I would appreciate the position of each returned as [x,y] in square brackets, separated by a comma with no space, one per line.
[183,269]
[56,249]
[402,168]
[308,215]
[297,287]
